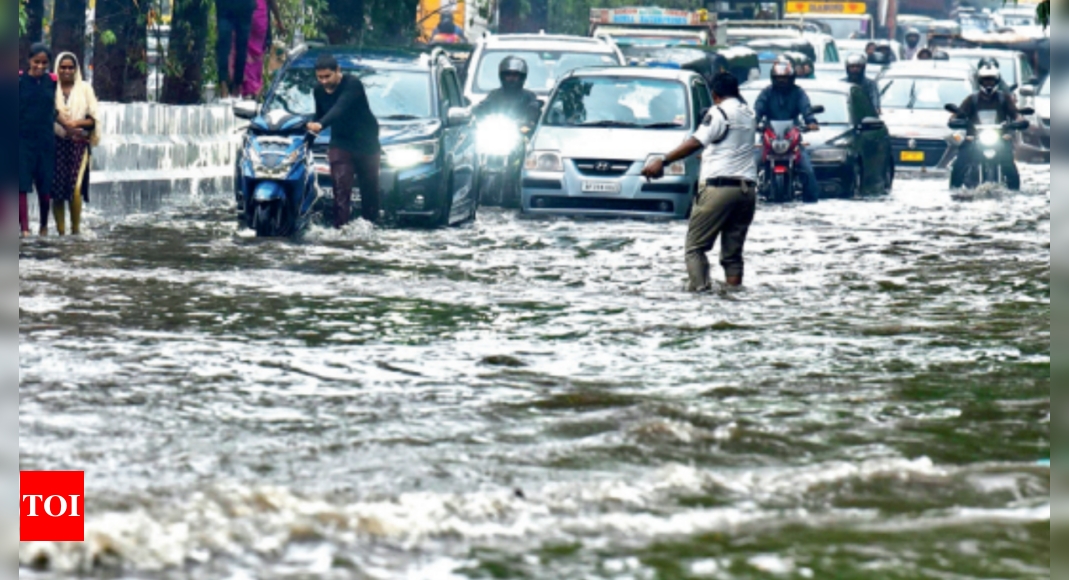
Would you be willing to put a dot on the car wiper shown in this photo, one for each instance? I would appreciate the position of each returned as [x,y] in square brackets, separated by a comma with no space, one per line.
[912,97]
[402,118]
[609,124]
[663,126]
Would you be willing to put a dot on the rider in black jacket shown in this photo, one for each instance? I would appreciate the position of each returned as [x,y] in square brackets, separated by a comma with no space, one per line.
[990,98]
[512,100]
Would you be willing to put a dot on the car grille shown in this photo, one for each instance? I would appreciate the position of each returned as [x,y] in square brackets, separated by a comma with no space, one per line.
[602,167]
[934,150]
[596,204]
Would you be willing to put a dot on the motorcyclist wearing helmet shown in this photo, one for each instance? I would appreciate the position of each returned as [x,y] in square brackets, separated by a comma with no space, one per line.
[855,75]
[990,97]
[512,100]
[784,100]
[913,43]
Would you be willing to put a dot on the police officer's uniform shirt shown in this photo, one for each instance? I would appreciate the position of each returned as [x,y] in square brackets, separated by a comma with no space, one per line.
[728,133]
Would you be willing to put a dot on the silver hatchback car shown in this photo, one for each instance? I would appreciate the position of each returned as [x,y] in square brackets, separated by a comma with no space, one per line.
[598,132]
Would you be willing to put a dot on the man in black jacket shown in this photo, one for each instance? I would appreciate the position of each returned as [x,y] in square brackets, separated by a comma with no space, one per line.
[512,99]
[355,152]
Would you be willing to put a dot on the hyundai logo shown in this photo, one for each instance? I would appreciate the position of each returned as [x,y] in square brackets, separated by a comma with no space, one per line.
[603,167]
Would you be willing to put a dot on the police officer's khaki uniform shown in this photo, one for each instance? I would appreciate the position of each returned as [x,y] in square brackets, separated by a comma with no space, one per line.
[727,200]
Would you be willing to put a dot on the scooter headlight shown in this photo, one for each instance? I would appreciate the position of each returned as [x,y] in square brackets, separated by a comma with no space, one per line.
[989,138]
[411,154]
[498,136]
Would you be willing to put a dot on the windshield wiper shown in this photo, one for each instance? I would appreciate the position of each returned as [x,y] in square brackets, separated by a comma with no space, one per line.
[663,126]
[620,124]
[912,97]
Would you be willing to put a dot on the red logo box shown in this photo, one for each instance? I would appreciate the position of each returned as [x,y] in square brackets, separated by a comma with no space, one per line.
[51,506]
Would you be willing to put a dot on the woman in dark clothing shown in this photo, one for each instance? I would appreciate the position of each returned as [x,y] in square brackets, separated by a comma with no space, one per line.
[37,141]
[234,25]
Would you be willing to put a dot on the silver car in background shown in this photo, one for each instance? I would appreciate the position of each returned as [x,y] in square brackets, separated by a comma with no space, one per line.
[1035,142]
[598,132]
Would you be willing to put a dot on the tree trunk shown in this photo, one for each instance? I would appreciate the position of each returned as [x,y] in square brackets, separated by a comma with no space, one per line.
[120,69]
[510,19]
[539,19]
[35,11]
[68,28]
[184,63]
[345,23]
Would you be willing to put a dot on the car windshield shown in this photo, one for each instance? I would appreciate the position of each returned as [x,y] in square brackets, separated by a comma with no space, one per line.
[1007,65]
[847,28]
[392,94]
[836,107]
[545,67]
[930,94]
[621,103]
[1045,91]
[975,23]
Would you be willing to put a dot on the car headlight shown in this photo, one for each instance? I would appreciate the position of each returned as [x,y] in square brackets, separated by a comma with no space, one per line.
[411,154]
[498,136]
[829,155]
[989,137]
[545,161]
[958,137]
[677,169]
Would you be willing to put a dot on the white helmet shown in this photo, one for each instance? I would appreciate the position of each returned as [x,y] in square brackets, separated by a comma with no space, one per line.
[989,78]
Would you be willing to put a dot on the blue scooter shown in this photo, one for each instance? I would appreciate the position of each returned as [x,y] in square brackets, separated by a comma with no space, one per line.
[277,179]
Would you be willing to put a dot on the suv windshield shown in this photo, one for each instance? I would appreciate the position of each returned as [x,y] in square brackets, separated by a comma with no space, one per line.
[393,94]
[624,103]
[545,67]
[931,94]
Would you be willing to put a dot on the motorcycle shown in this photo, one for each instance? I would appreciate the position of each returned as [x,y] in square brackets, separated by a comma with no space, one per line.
[779,180]
[501,144]
[992,144]
[277,188]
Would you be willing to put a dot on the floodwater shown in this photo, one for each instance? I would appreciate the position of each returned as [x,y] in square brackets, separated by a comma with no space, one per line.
[540,400]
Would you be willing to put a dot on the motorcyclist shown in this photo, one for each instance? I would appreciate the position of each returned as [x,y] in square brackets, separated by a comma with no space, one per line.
[512,100]
[989,98]
[913,43]
[784,100]
[855,75]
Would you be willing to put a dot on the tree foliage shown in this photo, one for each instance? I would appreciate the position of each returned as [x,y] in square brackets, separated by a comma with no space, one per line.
[184,63]
[120,67]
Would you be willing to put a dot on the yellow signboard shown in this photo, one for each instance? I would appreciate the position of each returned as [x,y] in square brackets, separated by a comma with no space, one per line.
[848,8]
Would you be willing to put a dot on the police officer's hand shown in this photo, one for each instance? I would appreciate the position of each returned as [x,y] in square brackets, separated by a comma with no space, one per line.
[315,128]
[654,169]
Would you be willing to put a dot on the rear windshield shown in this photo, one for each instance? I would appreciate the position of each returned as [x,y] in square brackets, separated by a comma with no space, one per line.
[546,67]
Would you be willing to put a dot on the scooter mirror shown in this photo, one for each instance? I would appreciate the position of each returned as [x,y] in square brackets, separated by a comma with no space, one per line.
[818,110]
[246,110]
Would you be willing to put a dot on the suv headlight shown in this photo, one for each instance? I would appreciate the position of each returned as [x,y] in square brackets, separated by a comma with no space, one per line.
[989,137]
[411,154]
[545,161]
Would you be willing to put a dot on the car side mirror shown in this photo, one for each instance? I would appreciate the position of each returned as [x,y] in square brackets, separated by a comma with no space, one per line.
[872,124]
[1028,91]
[459,117]
[246,110]
[818,110]
[953,109]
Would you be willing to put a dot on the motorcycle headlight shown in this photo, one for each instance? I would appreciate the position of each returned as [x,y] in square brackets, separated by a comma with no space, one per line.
[498,136]
[990,137]
[829,155]
[545,161]
[412,154]
[781,146]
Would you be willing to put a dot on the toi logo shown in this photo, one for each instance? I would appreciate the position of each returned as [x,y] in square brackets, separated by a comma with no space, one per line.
[52,506]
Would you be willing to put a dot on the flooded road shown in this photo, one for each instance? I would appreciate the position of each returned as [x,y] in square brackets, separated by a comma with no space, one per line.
[540,400]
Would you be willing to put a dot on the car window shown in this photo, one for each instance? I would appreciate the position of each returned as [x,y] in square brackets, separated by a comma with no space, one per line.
[1028,74]
[702,100]
[545,67]
[929,94]
[831,53]
[390,93]
[611,102]
[450,94]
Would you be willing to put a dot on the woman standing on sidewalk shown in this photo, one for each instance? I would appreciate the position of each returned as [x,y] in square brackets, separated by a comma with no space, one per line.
[37,142]
[259,41]
[76,104]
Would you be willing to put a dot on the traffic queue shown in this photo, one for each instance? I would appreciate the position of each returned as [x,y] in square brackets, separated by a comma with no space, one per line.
[564,125]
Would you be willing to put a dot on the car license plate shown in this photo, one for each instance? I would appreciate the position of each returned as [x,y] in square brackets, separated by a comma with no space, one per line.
[601,187]
[913,156]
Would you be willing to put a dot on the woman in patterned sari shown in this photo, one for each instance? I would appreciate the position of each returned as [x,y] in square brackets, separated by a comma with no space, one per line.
[76,103]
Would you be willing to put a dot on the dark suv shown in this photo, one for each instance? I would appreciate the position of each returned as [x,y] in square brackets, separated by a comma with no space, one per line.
[429,163]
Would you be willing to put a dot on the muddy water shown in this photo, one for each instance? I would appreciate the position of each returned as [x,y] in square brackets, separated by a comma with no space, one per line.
[539,400]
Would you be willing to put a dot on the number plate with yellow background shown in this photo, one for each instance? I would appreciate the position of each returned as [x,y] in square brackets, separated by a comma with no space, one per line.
[913,156]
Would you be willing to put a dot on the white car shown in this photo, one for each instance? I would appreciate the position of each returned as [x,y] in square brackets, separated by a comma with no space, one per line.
[549,58]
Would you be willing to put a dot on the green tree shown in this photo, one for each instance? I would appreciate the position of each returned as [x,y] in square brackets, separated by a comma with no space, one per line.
[120,64]
[32,14]
[184,64]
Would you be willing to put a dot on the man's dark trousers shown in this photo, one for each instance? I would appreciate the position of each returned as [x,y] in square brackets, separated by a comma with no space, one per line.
[345,169]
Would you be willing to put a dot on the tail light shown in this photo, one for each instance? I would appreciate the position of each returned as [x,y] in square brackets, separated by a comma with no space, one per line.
[780,170]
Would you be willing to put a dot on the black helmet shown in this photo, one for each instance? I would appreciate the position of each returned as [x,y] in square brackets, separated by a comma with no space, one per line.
[913,37]
[783,75]
[513,65]
[855,67]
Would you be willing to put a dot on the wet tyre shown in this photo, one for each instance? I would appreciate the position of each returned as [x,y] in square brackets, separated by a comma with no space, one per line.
[262,221]
[857,182]
[781,188]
